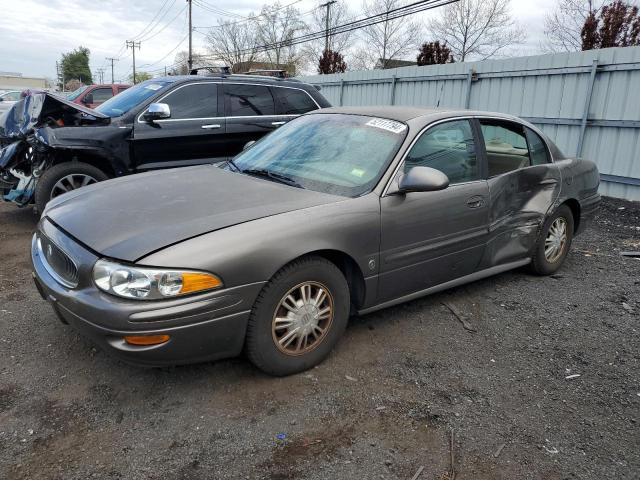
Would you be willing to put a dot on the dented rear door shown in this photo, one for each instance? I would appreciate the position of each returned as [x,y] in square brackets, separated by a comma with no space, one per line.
[523,186]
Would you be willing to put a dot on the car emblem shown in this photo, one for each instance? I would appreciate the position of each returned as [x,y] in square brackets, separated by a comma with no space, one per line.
[372,264]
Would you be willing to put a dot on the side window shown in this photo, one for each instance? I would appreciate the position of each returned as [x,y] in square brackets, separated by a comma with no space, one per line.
[448,147]
[292,101]
[248,100]
[12,96]
[99,95]
[537,148]
[198,100]
[506,146]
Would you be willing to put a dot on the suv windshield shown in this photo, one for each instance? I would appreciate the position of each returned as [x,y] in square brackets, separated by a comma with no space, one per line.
[76,93]
[331,153]
[131,97]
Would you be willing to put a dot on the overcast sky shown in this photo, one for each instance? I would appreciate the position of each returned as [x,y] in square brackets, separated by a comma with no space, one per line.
[34,33]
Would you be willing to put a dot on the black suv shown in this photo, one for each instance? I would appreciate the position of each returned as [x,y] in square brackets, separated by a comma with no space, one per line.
[52,146]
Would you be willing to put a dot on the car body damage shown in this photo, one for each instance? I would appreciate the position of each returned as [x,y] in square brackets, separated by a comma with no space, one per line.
[41,130]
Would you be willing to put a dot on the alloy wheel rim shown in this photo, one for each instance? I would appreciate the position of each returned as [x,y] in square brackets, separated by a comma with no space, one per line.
[71,182]
[556,240]
[302,318]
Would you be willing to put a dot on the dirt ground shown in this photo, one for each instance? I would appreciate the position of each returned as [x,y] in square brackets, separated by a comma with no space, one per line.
[382,406]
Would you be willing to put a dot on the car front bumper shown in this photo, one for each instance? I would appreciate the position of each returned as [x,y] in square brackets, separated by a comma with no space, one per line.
[204,327]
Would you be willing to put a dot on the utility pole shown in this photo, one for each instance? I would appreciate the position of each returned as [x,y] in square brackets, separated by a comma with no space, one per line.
[190,60]
[132,44]
[100,72]
[111,60]
[326,34]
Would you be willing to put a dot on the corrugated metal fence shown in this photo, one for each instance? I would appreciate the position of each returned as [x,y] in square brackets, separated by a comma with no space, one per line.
[587,102]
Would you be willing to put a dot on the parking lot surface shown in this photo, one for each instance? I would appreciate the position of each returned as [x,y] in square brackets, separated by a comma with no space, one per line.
[547,387]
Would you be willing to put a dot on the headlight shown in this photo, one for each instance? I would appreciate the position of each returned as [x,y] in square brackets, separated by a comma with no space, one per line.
[150,283]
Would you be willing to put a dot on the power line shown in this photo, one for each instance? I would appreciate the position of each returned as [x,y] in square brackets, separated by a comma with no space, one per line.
[386,16]
[165,25]
[150,26]
[393,14]
[254,17]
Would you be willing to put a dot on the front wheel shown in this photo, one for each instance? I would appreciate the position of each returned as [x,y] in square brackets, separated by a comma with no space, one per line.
[63,178]
[298,317]
[554,242]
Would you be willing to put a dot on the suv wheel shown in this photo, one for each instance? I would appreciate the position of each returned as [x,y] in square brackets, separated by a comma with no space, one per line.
[65,177]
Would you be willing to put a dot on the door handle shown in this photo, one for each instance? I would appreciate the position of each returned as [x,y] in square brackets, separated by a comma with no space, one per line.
[211,126]
[475,202]
[277,124]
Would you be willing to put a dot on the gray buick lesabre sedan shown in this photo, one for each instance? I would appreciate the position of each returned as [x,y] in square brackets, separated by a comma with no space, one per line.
[344,210]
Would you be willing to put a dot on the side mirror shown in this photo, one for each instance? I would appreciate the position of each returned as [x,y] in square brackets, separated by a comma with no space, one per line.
[157,111]
[248,145]
[423,179]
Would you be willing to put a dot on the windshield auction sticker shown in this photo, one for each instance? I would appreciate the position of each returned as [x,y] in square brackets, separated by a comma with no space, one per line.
[388,125]
[153,86]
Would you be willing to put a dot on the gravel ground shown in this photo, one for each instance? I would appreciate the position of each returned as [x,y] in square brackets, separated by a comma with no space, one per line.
[383,405]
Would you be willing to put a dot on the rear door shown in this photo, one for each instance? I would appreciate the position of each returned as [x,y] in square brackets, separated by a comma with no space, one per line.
[523,185]
[194,134]
[251,114]
[430,238]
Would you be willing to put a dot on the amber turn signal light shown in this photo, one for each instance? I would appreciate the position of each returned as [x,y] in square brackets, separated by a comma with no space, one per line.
[195,282]
[146,340]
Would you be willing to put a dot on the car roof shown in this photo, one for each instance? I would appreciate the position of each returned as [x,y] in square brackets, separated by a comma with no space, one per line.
[234,77]
[405,114]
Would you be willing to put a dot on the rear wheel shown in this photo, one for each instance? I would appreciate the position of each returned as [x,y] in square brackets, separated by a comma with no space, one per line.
[554,242]
[63,178]
[298,317]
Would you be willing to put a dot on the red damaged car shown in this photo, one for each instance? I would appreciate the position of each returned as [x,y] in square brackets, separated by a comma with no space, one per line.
[93,95]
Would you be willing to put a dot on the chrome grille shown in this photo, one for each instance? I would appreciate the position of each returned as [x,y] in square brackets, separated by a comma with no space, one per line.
[58,263]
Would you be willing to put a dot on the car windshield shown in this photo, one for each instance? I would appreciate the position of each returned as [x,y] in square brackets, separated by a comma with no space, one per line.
[125,101]
[76,93]
[333,153]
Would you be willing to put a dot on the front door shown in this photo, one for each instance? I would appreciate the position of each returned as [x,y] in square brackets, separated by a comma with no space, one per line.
[430,238]
[194,133]
[523,185]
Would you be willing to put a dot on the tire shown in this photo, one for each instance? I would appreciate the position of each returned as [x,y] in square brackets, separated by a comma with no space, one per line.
[546,263]
[269,345]
[46,188]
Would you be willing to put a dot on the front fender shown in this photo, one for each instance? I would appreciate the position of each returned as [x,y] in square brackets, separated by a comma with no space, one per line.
[254,251]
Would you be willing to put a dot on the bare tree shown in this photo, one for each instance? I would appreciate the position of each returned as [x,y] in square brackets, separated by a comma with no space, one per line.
[181,63]
[233,42]
[477,28]
[277,26]
[388,40]
[339,14]
[563,26]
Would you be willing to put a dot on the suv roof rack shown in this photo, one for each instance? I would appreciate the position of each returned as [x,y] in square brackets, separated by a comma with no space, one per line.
[214,70]
[268,73]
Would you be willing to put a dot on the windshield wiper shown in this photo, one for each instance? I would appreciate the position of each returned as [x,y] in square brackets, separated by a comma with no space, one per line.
[278,177]
[233,164]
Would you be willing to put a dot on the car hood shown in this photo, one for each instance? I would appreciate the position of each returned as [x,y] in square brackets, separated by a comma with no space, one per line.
[131,217]
[32,111]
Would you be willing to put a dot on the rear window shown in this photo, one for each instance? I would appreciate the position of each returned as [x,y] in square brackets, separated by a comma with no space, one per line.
[248,100]
[293,102]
